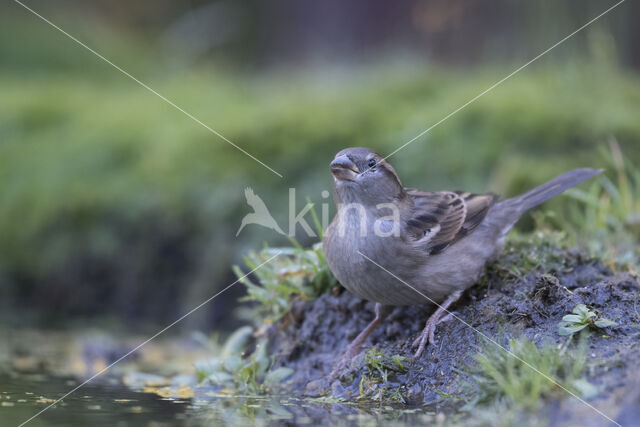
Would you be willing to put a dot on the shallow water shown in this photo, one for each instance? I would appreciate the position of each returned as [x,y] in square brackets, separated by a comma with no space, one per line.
[108,403]
[23,396]
[38,367]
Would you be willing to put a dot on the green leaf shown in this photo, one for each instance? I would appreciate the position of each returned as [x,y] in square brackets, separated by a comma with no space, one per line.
[220,377]
[277,376]
[208,366]
[232,364]
[260,358]
[287,290]
[573,318]
[581,310]
[237,342]
[569,329]
[605,323]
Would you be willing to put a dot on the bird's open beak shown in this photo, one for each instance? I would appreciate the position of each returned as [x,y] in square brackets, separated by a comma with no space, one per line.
[343,168]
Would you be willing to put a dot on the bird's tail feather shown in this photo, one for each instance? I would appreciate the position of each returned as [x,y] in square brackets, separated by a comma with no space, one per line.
[516,206]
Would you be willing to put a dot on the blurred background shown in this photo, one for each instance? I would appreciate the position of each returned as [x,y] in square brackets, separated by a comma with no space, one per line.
[118,211]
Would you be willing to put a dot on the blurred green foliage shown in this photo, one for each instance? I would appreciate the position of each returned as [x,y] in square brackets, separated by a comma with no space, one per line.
[603,215]
[233,369]
[294,272]
[114,200]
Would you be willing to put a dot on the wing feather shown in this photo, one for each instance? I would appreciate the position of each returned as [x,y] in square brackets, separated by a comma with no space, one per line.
[441,218]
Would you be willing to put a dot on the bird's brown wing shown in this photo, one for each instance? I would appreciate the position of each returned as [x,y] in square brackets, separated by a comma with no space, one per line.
[440,219]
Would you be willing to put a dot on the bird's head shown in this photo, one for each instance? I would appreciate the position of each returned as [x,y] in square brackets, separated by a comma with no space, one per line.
[362,176]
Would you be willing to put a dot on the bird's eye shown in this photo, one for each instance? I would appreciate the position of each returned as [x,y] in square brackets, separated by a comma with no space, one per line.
[372,163]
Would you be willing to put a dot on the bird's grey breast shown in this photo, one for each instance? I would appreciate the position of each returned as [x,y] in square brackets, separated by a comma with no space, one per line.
[371,262]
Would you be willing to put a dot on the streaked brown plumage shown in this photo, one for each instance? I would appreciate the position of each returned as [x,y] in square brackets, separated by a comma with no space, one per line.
[442,218]
[441,243]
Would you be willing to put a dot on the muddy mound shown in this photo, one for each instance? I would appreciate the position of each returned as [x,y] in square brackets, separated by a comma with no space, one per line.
[516,297]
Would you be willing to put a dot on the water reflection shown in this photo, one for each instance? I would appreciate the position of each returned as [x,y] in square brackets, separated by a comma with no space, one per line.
[108,403]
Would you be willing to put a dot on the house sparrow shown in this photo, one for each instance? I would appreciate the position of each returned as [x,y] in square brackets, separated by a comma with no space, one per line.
[437,242]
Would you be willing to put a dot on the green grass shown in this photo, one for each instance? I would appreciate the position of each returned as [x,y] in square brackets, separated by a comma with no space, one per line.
[601,216]
[498,375]
[612,203]
[606,215]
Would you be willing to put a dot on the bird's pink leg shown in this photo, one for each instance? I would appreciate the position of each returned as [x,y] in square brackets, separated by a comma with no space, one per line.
[426,336]
[381,313]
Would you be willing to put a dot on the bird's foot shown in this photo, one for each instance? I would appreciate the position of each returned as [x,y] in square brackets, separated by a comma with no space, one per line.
[425,337]
[344,363]
[427,334]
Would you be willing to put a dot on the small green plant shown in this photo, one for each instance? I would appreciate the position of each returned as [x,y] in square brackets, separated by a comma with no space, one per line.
[581,318]
[374,383]
[499,375]
[296,272]
[245,374]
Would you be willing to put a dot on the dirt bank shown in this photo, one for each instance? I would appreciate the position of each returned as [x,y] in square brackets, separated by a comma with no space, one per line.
[526,293]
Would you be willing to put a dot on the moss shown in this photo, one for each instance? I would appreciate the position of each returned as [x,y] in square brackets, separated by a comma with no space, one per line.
[525,253]
[375,382]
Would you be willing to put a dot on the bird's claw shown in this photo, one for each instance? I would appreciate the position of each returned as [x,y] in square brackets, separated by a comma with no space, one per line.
[427,336]
[337,370]
[341,367]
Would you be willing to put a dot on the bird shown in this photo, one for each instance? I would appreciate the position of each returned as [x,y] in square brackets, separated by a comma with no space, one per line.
[260,214]
[400,246]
